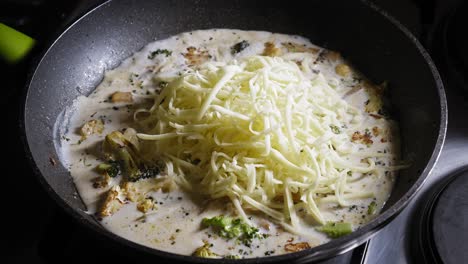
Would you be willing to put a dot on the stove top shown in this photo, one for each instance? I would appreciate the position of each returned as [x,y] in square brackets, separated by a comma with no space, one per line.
[40,232]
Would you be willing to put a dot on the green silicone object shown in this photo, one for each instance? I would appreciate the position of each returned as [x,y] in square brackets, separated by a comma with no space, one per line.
[14,45]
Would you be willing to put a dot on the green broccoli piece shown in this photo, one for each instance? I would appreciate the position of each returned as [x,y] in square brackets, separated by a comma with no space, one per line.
[225,226]
[372,208]
[112,168]
[228,227]
[335,230]
[335,129]
[119,150]
[205,251]
[238,47]
[159,51]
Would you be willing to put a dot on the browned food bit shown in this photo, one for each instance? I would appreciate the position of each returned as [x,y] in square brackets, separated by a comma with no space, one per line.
[295,47]
[135,191]
[291,247]
[122,97]
[376,116]
[93,126]
[376,131]
[130,191]
[342,69]
[112,203]
[102,181]
[52,161]
[196,56]
[172,237]
[271,50]
[146,205]
[375,92]
[362,138]
[296,197]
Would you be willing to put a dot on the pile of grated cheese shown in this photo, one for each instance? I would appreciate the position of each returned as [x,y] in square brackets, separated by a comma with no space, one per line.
[259,132]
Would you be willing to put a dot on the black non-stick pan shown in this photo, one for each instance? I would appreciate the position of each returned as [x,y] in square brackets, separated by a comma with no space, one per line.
[378,46]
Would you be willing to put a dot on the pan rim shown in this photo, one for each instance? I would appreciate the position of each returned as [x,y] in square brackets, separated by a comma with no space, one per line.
[334,247]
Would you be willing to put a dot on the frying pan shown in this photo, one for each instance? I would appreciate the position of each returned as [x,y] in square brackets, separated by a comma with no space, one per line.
[377,45]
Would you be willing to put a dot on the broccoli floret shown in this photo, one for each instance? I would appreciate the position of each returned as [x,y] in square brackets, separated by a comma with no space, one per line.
[223,225]
[228,227]
[205,251]
[372,208]
[119,150]
[335,230]
[238,47]
[112,168]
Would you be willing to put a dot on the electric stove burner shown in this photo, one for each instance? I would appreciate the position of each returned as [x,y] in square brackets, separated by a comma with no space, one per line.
[443,227]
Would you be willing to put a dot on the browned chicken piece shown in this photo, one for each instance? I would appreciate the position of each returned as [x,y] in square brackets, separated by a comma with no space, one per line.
[196,56]
[342,70]
[102,181]
[93,126]
[376,131]
[271,50]
[135,191]
[122,97]
[130,191]
[291,247]
[295,47]
[112,203]
[145,205]
[362,138]
[375,92]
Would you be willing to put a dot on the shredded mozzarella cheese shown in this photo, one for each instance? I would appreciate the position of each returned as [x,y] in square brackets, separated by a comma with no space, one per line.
[260,132]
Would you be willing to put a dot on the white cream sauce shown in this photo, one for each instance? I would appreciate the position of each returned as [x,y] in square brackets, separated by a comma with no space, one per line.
[175,225]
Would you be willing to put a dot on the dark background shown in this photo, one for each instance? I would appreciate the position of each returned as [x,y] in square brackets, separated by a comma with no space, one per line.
[36,230]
